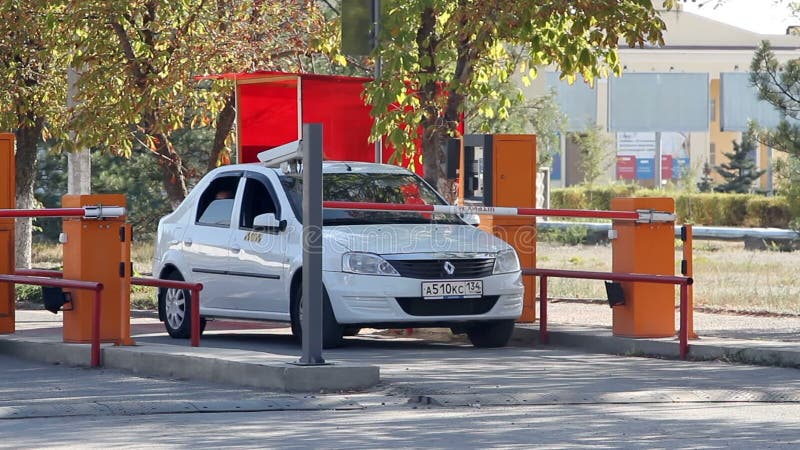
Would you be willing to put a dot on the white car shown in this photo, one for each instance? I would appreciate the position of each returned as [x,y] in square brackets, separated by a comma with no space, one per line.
[239,233]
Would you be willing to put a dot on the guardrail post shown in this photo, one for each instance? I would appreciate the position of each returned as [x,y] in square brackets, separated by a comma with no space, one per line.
[96,314]
[683,336]
[543,336]
[7,252]
[687,270]
[195,330]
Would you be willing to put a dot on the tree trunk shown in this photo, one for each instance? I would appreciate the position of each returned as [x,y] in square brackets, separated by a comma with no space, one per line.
[434,145]
[224,126]
[173,170]
[25,161]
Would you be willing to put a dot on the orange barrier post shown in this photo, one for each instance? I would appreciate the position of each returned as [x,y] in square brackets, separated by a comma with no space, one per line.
[644,248]
[7,252]
[98,250]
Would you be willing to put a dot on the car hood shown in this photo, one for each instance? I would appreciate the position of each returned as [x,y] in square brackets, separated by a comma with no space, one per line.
[412,238]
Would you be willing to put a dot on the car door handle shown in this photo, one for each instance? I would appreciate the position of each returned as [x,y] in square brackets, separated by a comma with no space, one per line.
[187,242]
[235,248]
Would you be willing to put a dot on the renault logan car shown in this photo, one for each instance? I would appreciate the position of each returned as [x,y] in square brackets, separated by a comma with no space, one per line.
[239,233]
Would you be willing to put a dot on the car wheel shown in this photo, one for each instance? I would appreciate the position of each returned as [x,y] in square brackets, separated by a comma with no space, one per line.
[332,332]
[490,334]
[176,305]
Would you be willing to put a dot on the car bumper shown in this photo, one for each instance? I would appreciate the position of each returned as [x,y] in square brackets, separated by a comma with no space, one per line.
[365,299]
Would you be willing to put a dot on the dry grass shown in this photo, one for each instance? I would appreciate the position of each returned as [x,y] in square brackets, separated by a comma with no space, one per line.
[727,277]
[49,256]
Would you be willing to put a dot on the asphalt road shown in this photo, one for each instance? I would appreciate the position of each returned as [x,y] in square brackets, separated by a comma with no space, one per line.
[433,395]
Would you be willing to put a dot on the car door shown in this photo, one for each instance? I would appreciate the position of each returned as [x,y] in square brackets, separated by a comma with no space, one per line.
[207,240]
[258,256]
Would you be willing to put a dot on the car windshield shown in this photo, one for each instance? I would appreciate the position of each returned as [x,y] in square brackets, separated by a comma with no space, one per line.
[373,188]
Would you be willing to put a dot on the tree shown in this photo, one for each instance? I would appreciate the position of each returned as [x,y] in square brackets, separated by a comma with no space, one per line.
[32,56]
[740,172]
[779,85]
[540,116]
[138,60]
[594,148]
[706,183]
[438,53]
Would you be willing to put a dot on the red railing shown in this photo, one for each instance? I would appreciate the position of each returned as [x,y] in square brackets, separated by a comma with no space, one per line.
[683,282]
[194,288]
[70,284]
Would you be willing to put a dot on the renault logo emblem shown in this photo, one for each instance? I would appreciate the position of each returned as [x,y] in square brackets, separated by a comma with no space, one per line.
[449,268]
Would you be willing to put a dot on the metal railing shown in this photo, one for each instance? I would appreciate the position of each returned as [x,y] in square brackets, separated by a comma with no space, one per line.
[700,231]
[38,280]
[683,282]
[194,288]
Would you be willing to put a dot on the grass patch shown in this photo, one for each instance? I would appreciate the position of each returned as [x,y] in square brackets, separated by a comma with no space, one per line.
[571,235]
[727,277]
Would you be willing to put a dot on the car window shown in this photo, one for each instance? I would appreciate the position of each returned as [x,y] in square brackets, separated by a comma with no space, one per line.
[218,212]
[257,200]
[216,203]
[374,188]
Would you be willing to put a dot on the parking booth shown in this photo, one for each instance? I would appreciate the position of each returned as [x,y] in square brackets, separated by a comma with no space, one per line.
[644,248]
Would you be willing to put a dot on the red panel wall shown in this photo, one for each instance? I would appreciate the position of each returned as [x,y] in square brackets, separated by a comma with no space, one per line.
[345,119]
[267,114]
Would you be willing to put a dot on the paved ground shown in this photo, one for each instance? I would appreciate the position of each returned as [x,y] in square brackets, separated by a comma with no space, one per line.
[726,325]
[433,394]
[576,401]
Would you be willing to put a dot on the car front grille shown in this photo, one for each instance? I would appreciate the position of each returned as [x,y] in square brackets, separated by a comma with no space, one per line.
[434,269]
[417,306]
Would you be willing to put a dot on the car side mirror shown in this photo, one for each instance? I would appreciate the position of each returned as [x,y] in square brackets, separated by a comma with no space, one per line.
[471,219]
[268,222]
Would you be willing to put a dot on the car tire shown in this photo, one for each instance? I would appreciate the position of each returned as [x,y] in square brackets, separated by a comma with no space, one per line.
[332,332]
[177,309]
[490,334]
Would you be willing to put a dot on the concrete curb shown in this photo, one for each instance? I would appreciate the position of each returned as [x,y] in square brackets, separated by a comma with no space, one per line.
[230,368]
[234,367]
[600,340]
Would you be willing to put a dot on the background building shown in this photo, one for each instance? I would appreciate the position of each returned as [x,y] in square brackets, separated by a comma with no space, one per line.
[675,108]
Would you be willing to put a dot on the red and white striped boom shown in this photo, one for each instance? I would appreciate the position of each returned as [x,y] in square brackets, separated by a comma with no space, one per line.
[640,216]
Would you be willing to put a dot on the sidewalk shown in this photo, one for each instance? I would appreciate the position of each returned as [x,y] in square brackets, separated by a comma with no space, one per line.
[741,338]
[246,360]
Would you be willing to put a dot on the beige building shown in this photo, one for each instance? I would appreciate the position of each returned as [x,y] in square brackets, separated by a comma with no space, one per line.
[693,45]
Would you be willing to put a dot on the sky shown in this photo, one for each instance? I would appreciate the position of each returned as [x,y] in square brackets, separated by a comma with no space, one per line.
[761,16]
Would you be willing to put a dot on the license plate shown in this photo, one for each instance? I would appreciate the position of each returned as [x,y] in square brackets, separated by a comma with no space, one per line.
[432,290]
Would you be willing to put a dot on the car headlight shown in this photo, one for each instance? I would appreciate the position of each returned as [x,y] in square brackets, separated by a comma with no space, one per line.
[506,262]
[367,264]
